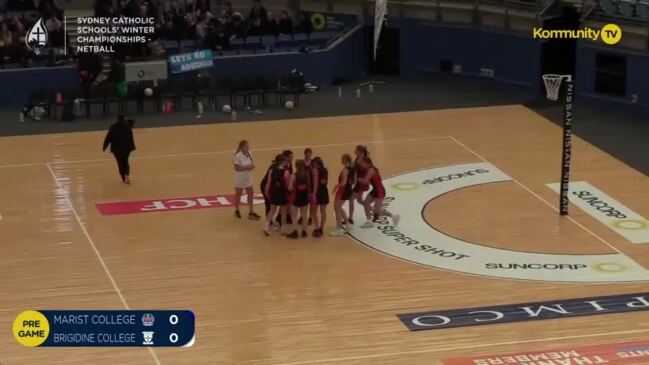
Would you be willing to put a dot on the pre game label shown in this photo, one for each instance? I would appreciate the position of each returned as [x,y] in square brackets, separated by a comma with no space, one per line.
[105,328]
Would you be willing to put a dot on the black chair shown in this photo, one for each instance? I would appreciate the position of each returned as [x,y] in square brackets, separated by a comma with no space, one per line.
[111,97]
[236,87]
[41,97]
[290,85]
[185,89]
[203,88]
[66,101]
[164,92]
[97,97]
[223,88]
[140,96]
[269,86]
[251,88]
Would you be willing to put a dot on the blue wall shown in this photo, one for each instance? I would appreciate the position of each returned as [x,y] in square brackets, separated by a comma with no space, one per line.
[16,85]
[637,81]
[346,60]
[514,57]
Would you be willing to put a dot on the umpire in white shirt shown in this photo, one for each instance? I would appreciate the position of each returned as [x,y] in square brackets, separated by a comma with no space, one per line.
[243,166]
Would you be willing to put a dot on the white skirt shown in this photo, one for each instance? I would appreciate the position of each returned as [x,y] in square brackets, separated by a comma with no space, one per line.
[243,180]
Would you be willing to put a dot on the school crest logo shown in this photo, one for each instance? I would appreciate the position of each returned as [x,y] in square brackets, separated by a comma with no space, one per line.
[36,38]
[148,319]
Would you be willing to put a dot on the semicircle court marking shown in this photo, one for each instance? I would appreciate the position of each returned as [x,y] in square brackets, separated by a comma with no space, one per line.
[415,240]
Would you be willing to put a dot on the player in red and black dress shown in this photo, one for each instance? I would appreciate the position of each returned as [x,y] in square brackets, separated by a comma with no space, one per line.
[360,172]
[298,186]
[276,189]
[308,163]
[319,196]
[373,203]
[264,181]
[308,158]
[343,191]
[289,160]
[288,155]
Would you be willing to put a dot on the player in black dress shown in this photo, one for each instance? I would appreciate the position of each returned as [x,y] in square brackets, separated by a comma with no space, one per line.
[308,163]
[264,181]
[319,195]
[276,189]
[298,186]
[343,191]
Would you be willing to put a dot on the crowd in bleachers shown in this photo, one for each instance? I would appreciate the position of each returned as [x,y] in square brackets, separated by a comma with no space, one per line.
[179,20]
[20,15]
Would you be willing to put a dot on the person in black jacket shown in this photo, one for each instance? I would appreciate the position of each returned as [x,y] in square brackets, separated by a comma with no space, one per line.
[120,139]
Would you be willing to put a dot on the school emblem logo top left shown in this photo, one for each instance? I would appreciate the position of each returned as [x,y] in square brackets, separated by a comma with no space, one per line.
[36,38]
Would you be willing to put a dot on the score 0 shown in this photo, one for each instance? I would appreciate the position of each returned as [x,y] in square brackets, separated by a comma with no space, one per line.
[173,319]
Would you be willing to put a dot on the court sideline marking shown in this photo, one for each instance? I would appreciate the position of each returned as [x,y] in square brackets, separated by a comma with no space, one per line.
[66,196]
[465,347]
[413,139]
[542,199]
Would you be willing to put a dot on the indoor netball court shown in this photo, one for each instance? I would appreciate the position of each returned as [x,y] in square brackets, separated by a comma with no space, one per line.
[477,191]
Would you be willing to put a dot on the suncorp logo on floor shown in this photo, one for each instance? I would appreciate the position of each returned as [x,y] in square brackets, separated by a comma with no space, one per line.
[610,34]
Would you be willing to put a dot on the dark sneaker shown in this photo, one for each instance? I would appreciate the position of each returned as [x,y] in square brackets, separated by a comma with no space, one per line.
[304,234]
[237,214]
[293,235]
[253,216]
[350,221]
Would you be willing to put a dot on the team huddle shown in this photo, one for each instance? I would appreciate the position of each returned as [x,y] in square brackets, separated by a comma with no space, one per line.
[297,195]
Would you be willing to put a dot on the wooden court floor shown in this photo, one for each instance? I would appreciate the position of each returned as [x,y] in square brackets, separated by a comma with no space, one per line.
[270,300]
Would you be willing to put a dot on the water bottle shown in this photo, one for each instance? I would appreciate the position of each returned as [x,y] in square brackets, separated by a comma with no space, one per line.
[199,107]
[358,93]
[21,117]
[340,92]
[58,97]
[371,88]
[233,115]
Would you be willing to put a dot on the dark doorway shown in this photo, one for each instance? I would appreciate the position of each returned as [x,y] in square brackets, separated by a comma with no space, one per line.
[387,53]
[558,56]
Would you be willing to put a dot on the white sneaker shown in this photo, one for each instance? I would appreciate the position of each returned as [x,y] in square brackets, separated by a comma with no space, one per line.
[395,220]
[368,224]
[338,233]
[346,228]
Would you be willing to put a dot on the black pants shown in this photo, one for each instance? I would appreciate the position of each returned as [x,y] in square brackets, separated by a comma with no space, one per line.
[122,164]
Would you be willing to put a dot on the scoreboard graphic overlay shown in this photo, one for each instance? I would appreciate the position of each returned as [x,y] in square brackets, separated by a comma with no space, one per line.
[51,328]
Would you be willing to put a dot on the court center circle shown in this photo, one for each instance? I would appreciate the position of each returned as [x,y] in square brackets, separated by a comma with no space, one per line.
[631,224]
[610,267]
[405,186]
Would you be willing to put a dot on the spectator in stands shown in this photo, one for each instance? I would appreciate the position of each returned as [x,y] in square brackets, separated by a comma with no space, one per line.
[257,19]
[21,5]
[20,51]
[228,11]
[305,25]
[46,6]
[55,30]
[201,28]
[90,66]
[172,7]
[6,42]
[104,8]
[132,9]
[285,23]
